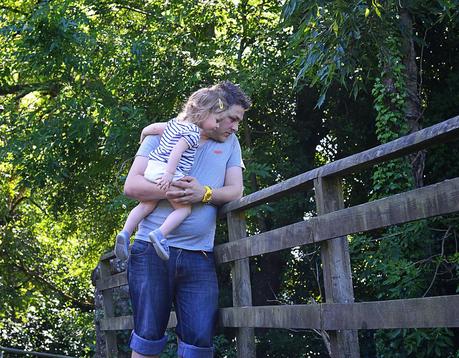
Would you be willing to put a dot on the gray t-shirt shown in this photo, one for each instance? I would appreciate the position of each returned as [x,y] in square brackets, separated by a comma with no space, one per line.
[197,232]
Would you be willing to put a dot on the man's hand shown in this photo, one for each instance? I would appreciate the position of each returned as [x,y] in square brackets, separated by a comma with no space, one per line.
[165,181]
[187,190]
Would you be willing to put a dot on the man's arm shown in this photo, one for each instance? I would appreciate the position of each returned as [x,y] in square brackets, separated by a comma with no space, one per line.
[232,188]
[137,187]
[188,190]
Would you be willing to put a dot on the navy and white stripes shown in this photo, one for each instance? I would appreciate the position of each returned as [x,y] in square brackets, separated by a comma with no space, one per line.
[172,134]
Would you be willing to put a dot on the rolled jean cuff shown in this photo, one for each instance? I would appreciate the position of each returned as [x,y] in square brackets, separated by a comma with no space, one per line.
[189,351]
[145,346]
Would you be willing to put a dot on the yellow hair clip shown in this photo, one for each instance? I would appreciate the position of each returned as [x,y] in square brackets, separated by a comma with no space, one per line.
[220,104]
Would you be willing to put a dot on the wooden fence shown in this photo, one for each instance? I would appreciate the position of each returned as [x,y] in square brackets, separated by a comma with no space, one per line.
[339,315]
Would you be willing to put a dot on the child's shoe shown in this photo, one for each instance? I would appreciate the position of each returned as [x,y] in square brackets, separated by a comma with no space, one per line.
[160,244]
[122,245]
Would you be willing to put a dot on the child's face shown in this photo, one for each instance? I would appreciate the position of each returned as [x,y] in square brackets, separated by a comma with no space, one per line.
[210,123]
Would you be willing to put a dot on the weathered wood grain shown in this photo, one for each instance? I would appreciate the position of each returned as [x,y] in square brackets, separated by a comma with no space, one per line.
[336,267]
[439,133]
[108,255]
[437,199]
[285,316]
[286,237]
[430,312]
[109,311]
[127,322]
[242,291]
[117,280]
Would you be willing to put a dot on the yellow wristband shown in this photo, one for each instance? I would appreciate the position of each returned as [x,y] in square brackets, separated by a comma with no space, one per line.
[207,195]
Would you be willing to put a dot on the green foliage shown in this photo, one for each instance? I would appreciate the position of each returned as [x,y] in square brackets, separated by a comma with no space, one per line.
[47,325]
[335,42]
[415,343]
[356,45]
[286,344]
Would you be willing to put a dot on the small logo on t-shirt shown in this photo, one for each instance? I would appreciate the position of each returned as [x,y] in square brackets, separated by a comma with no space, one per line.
[218,151]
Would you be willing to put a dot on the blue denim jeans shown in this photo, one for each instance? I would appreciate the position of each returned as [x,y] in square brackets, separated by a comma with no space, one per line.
[187,280]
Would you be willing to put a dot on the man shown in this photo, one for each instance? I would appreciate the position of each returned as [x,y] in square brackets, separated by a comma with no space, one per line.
[188,278]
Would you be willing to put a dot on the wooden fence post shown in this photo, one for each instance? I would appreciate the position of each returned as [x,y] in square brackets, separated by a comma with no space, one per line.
[242,291]
[110,336]
[336,267]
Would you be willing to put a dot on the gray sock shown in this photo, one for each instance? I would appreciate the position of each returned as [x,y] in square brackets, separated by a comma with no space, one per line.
[125,234]
[159,234]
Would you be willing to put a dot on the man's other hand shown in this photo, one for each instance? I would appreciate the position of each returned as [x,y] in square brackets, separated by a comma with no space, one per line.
[187,190]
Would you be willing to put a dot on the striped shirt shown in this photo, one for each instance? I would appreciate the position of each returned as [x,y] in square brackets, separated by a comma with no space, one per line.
[172,134]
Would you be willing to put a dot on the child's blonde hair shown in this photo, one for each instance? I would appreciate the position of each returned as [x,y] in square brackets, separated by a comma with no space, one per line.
[202,103]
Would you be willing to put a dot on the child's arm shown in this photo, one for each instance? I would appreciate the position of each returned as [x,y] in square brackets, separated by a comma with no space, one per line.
[172,163]
[153,129]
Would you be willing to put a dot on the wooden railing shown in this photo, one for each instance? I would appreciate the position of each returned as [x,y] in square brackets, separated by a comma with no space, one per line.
[339,315]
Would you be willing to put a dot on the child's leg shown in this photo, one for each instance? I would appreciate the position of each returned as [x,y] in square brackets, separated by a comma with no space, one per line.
[174,219]
[137,214]
[134,218]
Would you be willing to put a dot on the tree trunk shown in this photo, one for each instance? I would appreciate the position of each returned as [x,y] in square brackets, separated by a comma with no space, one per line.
[413,111]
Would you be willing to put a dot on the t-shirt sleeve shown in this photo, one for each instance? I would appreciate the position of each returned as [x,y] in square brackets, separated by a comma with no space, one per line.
[149,144]
[235,159]
[192,138]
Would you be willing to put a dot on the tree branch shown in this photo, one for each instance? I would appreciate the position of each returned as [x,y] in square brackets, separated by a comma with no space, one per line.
[143,12]
[84,306]
[22,90]
[439,262]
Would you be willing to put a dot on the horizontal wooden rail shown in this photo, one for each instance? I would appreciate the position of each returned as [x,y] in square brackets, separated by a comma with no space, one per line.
[30,353]
[442,311]
[429,312]
[437,199]
[116,280]
[127,322]
[439,133]
[108,255]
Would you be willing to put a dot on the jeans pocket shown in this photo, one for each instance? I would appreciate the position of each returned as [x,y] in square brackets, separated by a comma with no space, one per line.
[140,247]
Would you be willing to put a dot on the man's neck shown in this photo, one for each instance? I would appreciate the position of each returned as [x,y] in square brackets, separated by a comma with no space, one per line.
[203,138]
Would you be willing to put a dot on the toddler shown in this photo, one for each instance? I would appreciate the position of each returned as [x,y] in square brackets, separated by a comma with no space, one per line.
[172,160]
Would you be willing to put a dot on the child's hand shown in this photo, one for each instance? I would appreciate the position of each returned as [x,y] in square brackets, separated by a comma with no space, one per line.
[165,182]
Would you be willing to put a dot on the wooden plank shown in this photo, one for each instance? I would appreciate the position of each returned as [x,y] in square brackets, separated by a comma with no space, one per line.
[439,133]
[288,236]
[109,311]
[119,279]
[437,199]
[242,291]
[17,352]
[285,316]
[429,312]
[117,323]
[336,266]
[127,322]
[108,256]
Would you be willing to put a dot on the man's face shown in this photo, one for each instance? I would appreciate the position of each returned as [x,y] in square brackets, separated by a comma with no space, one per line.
[227,125]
